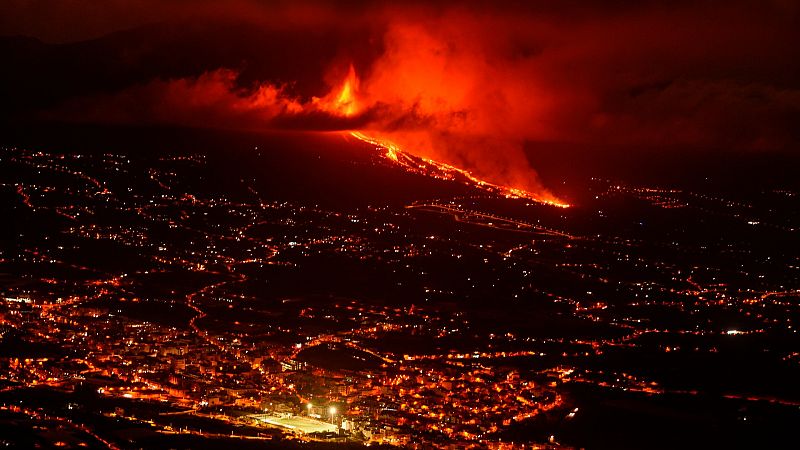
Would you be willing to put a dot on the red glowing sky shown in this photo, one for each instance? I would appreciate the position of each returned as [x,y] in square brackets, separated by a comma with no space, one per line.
[465,83]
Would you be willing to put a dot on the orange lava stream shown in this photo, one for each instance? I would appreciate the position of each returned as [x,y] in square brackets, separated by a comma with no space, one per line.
[446,171]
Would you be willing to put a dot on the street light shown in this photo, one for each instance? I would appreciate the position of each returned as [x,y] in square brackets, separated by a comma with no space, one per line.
[332,410]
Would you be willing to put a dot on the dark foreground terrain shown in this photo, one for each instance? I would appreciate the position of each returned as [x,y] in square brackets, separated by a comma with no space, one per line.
[175,288]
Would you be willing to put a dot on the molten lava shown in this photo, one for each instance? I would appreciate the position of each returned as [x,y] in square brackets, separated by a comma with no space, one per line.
[346,101]
[435,169]
[342,101]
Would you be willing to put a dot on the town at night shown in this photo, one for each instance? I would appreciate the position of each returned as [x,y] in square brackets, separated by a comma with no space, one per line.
[339,225]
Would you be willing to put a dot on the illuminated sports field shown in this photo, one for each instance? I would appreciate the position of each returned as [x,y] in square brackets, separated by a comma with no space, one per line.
[296,423]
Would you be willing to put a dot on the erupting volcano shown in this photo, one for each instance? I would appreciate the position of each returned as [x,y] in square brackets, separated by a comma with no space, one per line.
[344,101]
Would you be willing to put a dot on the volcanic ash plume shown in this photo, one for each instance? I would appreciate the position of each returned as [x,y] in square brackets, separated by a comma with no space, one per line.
[438,95]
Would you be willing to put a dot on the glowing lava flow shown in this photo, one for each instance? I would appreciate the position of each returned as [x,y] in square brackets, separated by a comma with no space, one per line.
[435,169]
